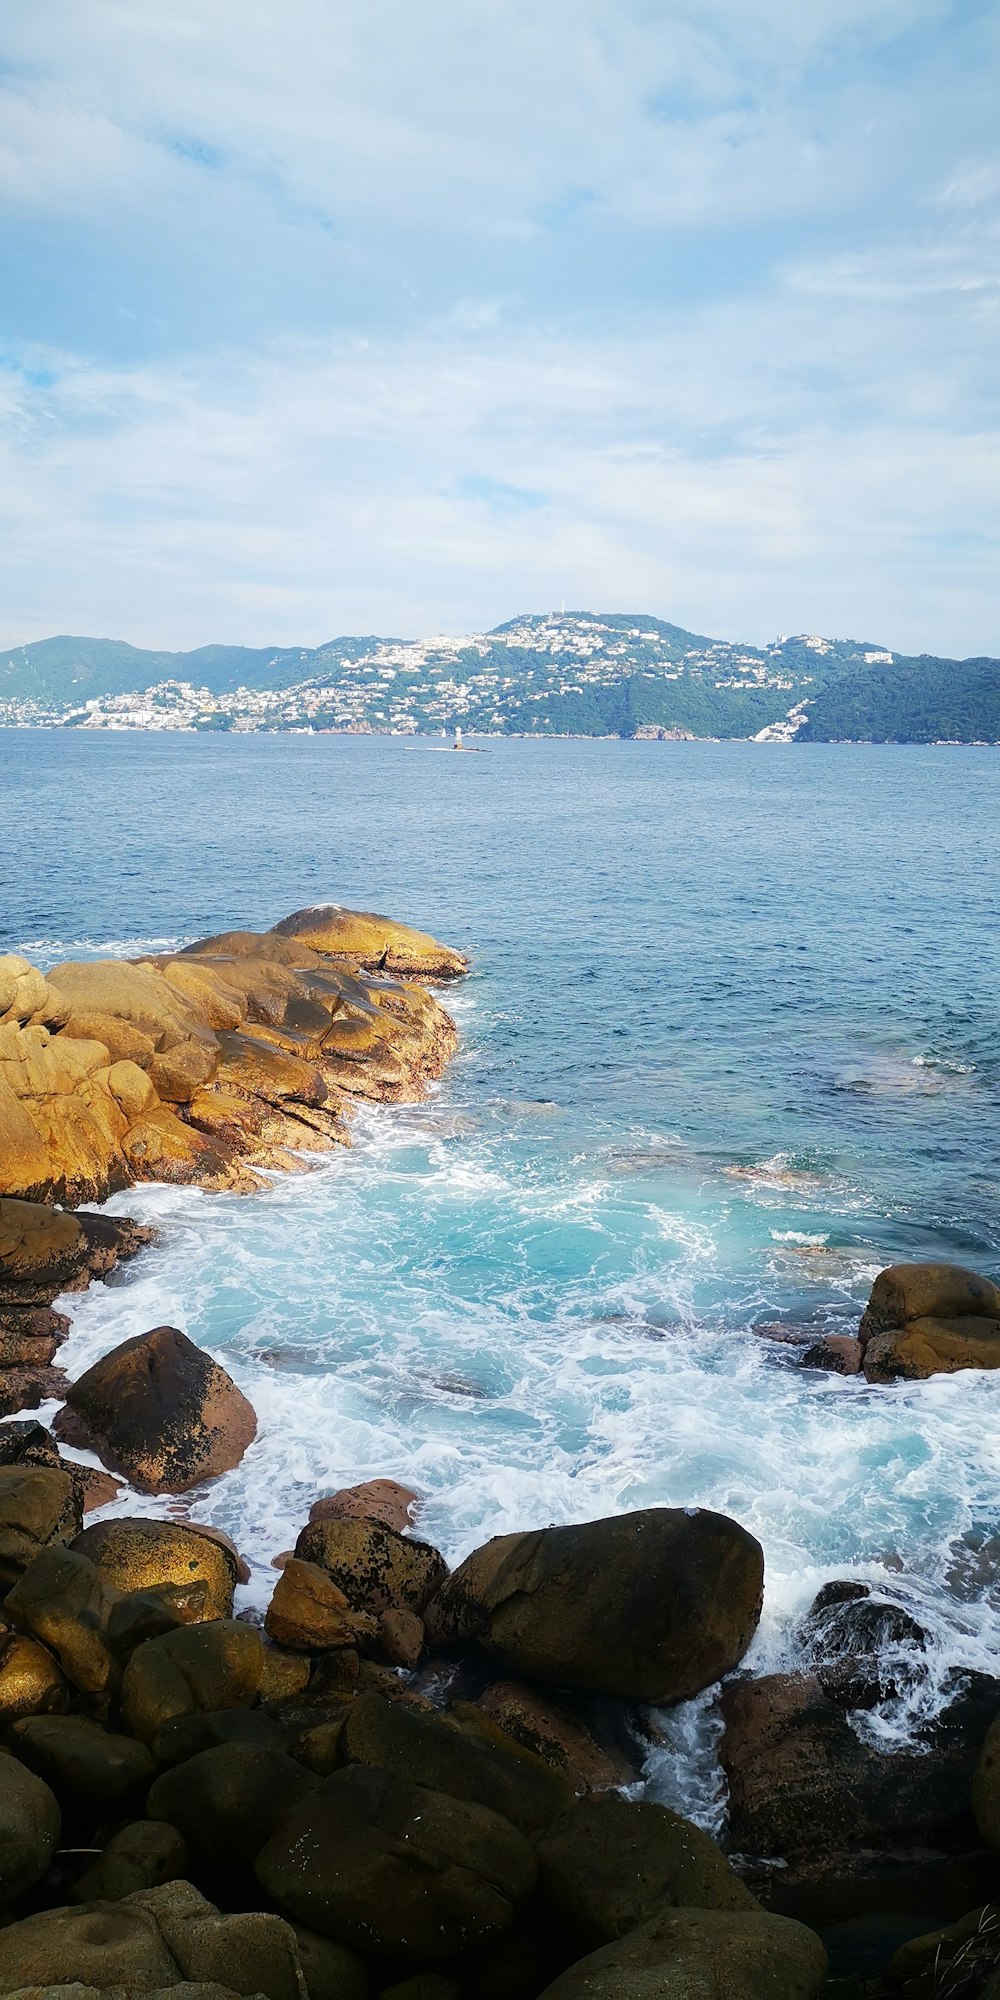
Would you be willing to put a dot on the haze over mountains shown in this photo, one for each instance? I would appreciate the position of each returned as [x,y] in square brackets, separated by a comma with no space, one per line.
[577,673]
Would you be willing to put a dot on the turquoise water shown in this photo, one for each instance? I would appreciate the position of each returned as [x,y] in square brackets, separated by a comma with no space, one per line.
[731,1043]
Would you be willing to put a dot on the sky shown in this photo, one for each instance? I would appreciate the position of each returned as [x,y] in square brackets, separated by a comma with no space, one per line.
[350,316]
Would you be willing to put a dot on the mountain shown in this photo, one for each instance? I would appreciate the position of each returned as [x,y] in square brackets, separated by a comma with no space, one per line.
[567,673]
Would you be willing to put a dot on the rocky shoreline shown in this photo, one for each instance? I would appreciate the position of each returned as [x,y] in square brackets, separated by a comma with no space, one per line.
[406,1783]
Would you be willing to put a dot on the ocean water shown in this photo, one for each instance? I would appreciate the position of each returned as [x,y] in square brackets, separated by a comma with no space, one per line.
[730,1045]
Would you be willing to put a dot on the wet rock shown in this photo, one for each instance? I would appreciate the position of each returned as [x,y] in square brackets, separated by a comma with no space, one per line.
[928,1319]
[836,1352]
[396,1869]
[986,1787]
[63,1601]
[30,1680]
[139,1856]
[39,1505]
[382,1500]
[552,1730]
[377,1569]
[866,1648]
[27,1388]
[161,1412]
[431,1751]
[142,1555]
[30,1824]
[28,1443]
[147,1614]
[186,1736]
[652,1606]
[227,1801]
[285,1673]
[377,943]
[803,1787]
[609,1864]
[199,1667]
[96,1488]
[310,1612]
[682,1954]
[77,1756]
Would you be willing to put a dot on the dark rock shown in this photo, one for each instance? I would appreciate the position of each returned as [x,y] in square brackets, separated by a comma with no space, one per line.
[393,1868]
[554,1732]
[331,1971]
[30,1823]
[227,1801]
[26,1388]
[38,1506]
[609,1864]
[430,1751]
[139,1856]
[400,1638]
[653,1606]
[188,1735]
[147,1614]
[104,1946]
[865,1647]
[376,1568]
[836,1352]
[684,1954]
[28,1443]
[159,1411]
[76,1756]
[196,1668]
[143,1555]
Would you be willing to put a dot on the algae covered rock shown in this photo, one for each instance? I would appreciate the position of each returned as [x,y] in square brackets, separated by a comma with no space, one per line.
[609,1864]
[160,1411]
[393,1868]
[30,1824]
[652,1606]
[702,1955]
[143,1555]
[198,1667]
[376,1568]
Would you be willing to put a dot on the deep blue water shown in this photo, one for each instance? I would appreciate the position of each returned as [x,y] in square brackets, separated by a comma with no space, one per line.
[731,1043]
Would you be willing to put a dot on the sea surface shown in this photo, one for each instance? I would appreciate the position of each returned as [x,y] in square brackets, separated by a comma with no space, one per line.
[730,1045]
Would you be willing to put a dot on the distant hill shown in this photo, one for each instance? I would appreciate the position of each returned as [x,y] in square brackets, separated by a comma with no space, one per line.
[572,673]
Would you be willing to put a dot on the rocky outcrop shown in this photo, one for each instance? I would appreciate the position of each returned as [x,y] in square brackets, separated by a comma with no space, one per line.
[929,1319]
[43,1252]
[652,1606]
[160,1411]
[244,1050]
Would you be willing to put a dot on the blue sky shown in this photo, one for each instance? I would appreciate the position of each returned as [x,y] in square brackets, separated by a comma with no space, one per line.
[349,315]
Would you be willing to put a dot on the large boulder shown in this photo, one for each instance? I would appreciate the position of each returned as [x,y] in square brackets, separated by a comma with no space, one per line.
[929,1319]
[39,1505]
[140,1855]
[199,1667]
[701,1954]
[227,1801]
[653,1606]
[30,1824]
[851,1826]
[137,1555]
[376,1568]
[382,1500]
[30,1680]
[63,1601]
[393,1868]
[377,943]
[554,1731]
[609,1864]
[160,1411]
[428,1750]
[76,1756]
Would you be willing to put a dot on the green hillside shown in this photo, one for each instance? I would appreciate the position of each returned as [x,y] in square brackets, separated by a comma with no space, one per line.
[917,700]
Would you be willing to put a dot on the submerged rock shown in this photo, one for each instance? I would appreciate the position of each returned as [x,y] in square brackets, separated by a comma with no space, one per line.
[652,1606]
[160,1411]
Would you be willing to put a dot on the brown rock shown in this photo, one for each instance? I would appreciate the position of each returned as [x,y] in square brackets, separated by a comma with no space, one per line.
[382,1500]
[30,1680]
[27,1388]
[160,1411]
[143,1555]
[195,1669]
[609,1864]
[652,1606]
[63,1601]
[550,1728]
[372,941]
[738,1954]
[836,1351]
[377,1569]
[908,1292]
[400,1638]
[932,1347]
[39,1505]
[30,1824]
[309,1612]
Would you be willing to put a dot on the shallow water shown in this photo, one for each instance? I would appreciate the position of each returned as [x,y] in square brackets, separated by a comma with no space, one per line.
[731,1044]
